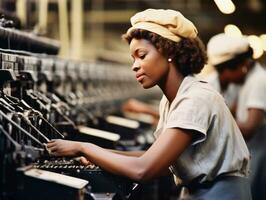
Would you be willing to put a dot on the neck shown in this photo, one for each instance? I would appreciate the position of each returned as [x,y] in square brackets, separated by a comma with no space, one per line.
[171,83]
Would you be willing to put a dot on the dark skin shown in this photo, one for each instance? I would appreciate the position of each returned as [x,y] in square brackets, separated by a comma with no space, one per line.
[236,76]
[133,105]
[255,116]
[151,69]
[228,76]
[254,121]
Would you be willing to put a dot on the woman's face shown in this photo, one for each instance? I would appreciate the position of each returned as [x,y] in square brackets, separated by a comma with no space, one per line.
[237,75]
[149,64]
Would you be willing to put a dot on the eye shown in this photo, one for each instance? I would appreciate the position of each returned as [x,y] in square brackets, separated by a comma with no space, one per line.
[142,56]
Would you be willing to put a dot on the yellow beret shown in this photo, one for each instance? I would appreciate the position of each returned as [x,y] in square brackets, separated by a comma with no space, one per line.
[222,48]
[169,24]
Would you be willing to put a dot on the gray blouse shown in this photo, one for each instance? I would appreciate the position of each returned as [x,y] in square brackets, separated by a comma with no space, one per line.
[218,146]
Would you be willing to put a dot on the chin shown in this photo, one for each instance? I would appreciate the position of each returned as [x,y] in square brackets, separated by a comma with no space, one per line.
[147,86]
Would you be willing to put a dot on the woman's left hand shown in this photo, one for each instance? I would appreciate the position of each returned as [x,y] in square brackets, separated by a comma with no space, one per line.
[85,161]
[60,147]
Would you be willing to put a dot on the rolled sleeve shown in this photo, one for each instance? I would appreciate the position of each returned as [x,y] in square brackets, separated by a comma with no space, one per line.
[192,114]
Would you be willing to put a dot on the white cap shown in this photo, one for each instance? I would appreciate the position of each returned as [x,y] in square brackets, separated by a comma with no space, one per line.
[222,48]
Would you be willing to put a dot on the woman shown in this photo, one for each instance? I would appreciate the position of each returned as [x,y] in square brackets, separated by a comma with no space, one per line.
[197,138]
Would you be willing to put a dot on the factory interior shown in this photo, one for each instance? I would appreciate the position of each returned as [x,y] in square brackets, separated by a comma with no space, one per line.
[74,94]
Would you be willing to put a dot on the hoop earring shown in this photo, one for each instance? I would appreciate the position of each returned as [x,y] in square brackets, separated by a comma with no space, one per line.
[169,60]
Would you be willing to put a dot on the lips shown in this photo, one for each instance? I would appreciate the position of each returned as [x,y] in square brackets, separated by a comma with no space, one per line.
[139,77]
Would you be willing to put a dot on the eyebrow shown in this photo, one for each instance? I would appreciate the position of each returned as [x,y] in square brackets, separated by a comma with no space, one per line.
[137,50]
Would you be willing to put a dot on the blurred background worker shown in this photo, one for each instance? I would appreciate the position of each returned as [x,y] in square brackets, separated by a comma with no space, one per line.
[232,59]
[222,78]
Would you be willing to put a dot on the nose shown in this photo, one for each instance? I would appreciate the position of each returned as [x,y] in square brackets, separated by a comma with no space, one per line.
[244,69]
[135,67]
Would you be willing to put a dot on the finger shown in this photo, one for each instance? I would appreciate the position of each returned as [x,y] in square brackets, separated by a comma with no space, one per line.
[54,153]
[84,161]
[53,140]
[49,145]
[53,149]
[49,150]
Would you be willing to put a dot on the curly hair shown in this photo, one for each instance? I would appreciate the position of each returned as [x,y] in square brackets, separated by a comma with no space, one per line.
[188,55]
